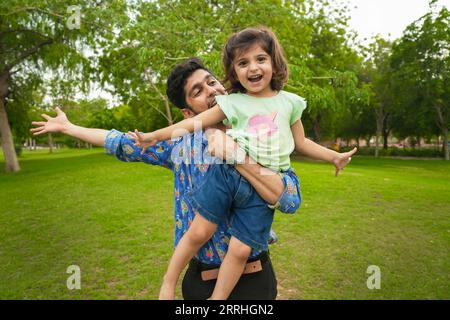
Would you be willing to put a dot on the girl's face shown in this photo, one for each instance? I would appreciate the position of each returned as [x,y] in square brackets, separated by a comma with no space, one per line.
[253,69]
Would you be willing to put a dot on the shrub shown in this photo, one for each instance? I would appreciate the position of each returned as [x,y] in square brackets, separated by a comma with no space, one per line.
[398,152]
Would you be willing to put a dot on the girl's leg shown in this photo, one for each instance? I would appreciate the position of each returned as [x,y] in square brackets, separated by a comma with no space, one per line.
[200,231]
[231,269]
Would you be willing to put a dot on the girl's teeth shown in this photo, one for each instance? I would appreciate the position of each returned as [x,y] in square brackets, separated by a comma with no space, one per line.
[257,78]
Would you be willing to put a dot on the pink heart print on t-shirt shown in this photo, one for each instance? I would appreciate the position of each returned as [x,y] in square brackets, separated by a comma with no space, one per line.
[262,125]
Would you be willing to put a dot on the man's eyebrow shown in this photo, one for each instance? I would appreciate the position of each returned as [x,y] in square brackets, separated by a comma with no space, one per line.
[199,84]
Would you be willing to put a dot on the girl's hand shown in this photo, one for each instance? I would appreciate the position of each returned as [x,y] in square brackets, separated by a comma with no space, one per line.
[224,147]
[343,159]
[142,141]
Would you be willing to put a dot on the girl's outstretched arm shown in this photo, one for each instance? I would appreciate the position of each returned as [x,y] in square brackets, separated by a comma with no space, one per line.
[203,120]
[318,152]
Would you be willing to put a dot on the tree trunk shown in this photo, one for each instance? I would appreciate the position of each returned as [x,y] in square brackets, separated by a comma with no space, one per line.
[377,145]
[377,140]
[442,123]
[50,142]
[168,112]
[386,132]
[380,120]
[7,141]
[446,149]
[316,128]
[148,75]
[386,139]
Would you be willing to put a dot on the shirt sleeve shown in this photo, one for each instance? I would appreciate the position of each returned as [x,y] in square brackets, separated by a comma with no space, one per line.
[299,104]
[226,106]
[117,143]
[290,199]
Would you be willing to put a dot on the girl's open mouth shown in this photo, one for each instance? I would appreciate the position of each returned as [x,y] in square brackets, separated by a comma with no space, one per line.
[255,78]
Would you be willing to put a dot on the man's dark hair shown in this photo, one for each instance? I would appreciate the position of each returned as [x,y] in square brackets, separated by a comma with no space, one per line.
[177,80]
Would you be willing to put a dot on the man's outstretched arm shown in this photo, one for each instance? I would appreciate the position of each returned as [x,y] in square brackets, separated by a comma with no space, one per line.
[61,124]
[115,142]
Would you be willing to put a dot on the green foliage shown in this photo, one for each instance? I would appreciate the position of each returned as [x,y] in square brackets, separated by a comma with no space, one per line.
[120,118]
[313,34]
[400,152]
[129,48]
[421,73]
[43,53]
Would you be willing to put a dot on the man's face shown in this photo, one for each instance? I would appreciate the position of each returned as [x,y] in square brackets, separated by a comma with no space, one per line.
[201,89]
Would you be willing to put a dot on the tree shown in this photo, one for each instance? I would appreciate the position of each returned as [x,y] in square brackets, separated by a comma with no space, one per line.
[130,48]
[165,33]
[358,120]
[139,60]
[421,64]
[40,38]
[377,73]
[329,79]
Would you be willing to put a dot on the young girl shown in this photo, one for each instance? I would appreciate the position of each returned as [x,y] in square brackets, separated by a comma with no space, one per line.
[265,122]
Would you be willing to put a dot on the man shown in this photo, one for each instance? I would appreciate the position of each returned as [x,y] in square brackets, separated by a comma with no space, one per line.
[192,88]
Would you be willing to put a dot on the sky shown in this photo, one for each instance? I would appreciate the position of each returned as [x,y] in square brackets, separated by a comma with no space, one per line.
[384,17]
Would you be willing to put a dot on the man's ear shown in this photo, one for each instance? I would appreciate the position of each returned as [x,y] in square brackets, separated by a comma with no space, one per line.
[187,113]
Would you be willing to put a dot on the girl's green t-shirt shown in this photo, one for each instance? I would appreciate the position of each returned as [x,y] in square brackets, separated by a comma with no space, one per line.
[262,126]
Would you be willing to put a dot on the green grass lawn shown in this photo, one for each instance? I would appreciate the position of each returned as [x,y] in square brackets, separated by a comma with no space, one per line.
[115,221]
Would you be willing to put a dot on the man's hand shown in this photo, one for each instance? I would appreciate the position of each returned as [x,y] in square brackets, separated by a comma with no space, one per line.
[142,141]
[224,147]
[343,159]
[60,123]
